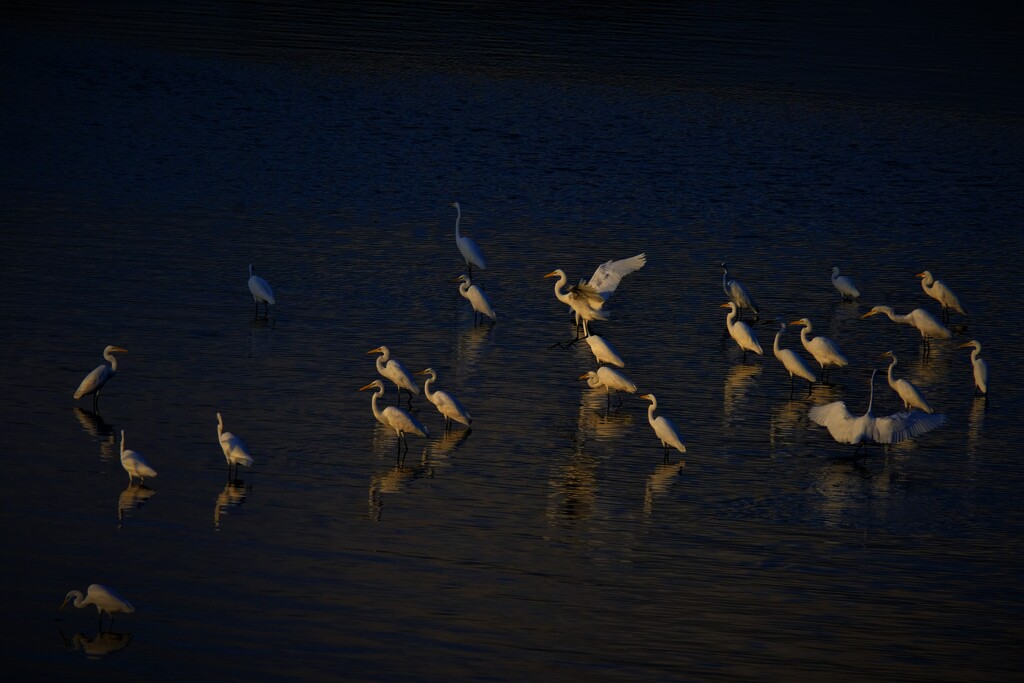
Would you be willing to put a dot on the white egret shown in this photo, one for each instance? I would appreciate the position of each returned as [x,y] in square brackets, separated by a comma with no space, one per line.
[396,372]
[584,300]
[467,247]
[98,378]
[235,451]
[609,379]
[980,368]
[134,464]
[938,290]
[602,350]
[824,350]
[794,364]
[402,422]
[261,292]
[737,293]
[910,394]
[844,285]
[609,274]
[446,404]
[866,428]
[922,320]
[663,427]
[477,299]
[741,332]
[105,599]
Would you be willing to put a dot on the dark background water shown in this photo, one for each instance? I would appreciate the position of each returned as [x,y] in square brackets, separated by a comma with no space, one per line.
[152,152]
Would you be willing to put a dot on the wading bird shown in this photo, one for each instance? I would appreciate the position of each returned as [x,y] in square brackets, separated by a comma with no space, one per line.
[261,292]
[737,293]
[235,451]
[105,599]
[467,247]
[741,332]
[844,285]
[822,348]
[920,319]
[609,379]
[602,350]
[908,393]
[396,372]
[477,298]
[663,427]
[938,290]
[866,428]
[402,422]
[134,464]
[98,378]
[609,274]
[980,368]
[583,299]
[446,404]
[794,364]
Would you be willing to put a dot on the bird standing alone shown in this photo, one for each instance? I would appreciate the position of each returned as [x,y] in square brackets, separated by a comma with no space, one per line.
[98,378]
[261,292]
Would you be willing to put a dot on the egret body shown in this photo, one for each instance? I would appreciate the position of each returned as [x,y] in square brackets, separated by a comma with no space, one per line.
[938,290]
[446,404]
[663,427]
[476,297]
[737,293]
[467,247]
[106,600]
[923,321]
[844,285]
[134,464]
[261,292]
[741,332]
[402,422]
[396,372]
[235,451]
[98,378]
[794,364]
[822,348]
[980,368]
[908,393]
[611,380]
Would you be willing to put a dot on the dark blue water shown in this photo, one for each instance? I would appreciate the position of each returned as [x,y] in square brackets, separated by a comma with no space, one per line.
[151,154]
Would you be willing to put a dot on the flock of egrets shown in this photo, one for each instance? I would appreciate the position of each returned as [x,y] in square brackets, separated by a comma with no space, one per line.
[587,300]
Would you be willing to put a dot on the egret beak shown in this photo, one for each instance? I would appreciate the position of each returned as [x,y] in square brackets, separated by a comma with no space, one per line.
[376,350]
[645,396]
[423,372]
[371,385]
[551,274]
[868,314]
[460,278]
[119,349]
[64,604]
[796,322]
[964,346]
[726,305]
[919,275]
[584,376]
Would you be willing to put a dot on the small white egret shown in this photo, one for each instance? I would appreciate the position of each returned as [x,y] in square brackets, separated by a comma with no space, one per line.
[910,394]
[477,298]
[467,247]
[402,422]
[922,320]
[980,368]
[96,379]
[794,364]
[105,599]
[396,372]
[824,350]
[446,404]
[134,464]
[607,277]
[741,332]
[844,285]
[602,350]
[235,451]
[663,427]
[261,292]
[938,290]
[737,293]
[866,428]
[610,380]
[584,300]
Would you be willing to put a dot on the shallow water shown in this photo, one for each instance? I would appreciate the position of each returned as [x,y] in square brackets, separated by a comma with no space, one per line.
[151,156]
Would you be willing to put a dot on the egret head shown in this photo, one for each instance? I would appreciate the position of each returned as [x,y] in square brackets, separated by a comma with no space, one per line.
[428,371]
[647,397]
[876,310]
[587,375]
[973,343]
[557,272]
[926,274]
[375,384]
[835,270]
[729,304]
[379,349]
[114,349]
[462,278]
[454,205]
[68,598]
[802,321]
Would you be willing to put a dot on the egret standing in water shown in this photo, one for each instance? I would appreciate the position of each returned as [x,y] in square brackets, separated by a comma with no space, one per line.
[663,427]
[920,319]
[584,300]
[794,364]
[235,451]
[476,297]
[445,403]
[261,292]
[844,285]
[602,350]
[741,332]
[467,247]
[134,464]
[402,422]
[938,290]
[908,393]
[980,368]
[737,293]
[98,378]
[822,348]
[611,380]
[609,274]
[105,599]
[395,372]
[866,428]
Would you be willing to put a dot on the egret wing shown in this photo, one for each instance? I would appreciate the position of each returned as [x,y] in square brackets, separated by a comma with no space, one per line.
[610,273]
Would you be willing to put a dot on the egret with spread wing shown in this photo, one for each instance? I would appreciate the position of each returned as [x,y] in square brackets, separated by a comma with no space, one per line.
[98,378]
[446,404]
[847,428]
[467,247]
[609,274]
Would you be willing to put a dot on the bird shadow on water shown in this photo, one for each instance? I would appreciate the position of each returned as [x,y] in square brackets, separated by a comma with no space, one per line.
[231,496]
[132,498]
[97,646]
[95,426]
[395,480]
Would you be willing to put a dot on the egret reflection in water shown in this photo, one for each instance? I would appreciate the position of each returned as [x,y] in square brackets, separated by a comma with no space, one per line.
[660,481]
[393,481]
[95,426]
[738,382]
[231,496]
[132,498]
[99,645]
